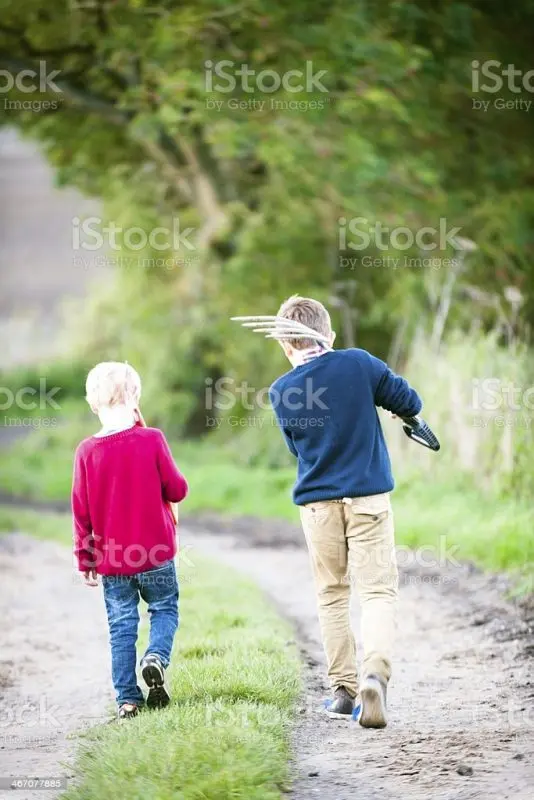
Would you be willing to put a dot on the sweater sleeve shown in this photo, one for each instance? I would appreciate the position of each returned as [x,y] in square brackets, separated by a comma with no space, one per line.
[288,438]
[274,397]
[393,392]
[173,484]
[82,527]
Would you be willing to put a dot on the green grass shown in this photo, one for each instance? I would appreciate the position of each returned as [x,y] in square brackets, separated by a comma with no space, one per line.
[235,678]
[462,523]
[232,488]
[39,525]
[437,507]
[39,466]
[234,681]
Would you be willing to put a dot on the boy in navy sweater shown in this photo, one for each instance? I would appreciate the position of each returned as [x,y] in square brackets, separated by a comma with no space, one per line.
[326,409]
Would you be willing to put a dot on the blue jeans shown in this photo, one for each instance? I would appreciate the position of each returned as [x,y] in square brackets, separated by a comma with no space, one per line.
[159,589]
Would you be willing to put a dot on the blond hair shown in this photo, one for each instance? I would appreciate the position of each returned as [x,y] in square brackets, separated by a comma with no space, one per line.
[112,383]
[309,312]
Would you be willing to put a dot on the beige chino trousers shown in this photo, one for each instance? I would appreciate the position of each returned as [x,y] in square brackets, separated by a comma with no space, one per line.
[352,541]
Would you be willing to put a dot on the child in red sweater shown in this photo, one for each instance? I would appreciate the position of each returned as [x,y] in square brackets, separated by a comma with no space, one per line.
[124,530]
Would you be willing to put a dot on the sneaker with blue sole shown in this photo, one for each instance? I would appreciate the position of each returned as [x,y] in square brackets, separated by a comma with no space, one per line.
[342,706]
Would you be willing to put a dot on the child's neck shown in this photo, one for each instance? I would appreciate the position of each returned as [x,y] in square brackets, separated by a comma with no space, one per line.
[299,357]
[116,418]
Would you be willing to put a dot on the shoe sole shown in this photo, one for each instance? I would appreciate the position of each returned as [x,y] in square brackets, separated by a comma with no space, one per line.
[127,717]
[122,720]
[158,697]
[373,713]
[336,715]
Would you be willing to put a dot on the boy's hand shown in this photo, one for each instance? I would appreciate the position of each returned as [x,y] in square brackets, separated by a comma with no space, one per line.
[89,577]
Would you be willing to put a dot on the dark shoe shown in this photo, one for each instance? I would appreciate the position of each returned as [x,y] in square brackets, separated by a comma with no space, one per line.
[342,706]
[127,711]
[153,674]
[373,712]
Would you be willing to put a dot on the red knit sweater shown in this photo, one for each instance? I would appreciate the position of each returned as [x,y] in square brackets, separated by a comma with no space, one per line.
[121,484]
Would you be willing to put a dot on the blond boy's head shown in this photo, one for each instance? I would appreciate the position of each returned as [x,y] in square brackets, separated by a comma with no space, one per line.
[309,312]
[112,383]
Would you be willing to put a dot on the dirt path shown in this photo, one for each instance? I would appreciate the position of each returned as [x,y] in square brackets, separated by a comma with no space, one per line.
[37,267]
[54,663]
[462,695]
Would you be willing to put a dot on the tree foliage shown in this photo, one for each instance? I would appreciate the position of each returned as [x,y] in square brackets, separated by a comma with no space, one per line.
[391,135]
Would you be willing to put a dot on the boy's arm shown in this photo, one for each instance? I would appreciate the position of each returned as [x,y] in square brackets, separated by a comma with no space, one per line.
[288,438]
[286,433]
[83,530]
[393,392]
[174,485]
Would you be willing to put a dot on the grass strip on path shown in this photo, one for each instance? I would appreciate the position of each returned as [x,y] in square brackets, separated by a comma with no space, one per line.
[234,678]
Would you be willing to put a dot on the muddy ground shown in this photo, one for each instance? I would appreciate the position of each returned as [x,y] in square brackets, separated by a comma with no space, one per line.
[461,699]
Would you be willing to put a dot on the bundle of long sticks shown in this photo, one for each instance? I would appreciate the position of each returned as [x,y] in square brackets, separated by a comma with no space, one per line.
[173,507]
[281,329]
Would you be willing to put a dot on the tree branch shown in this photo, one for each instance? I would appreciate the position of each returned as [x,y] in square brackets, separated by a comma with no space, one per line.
[30,50]
[205,195]
[75,96]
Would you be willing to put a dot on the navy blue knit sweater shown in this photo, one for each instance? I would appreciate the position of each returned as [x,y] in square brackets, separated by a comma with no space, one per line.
[326,410]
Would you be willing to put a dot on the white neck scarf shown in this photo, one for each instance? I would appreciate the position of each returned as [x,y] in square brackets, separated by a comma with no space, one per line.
[300,357]
[115,419]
